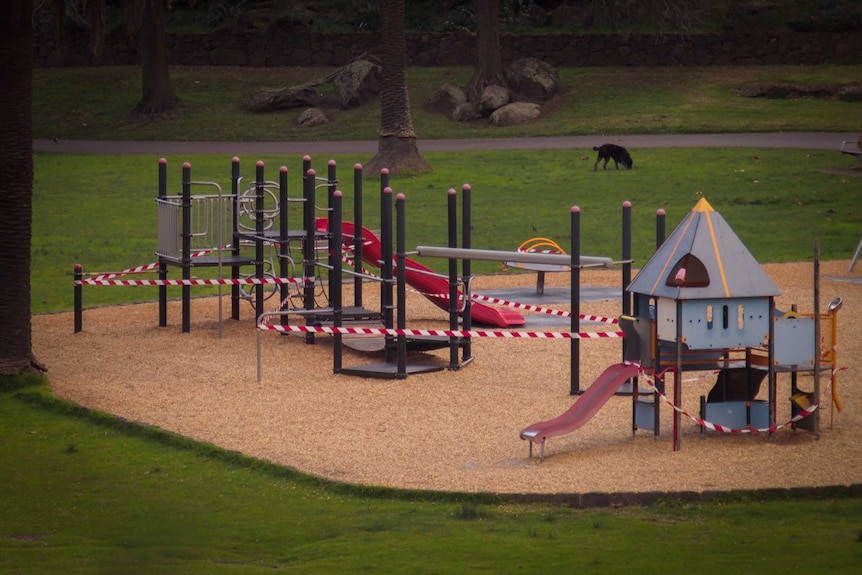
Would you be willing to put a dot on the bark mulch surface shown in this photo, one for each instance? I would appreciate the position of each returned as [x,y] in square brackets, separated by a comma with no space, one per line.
[447,430]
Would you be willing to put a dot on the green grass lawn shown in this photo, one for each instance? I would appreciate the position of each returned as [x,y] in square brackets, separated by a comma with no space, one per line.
[82,492]
[93,103]
[99,211]
[86,493]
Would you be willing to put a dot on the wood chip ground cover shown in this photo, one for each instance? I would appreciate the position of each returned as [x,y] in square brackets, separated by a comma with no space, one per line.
[448,430]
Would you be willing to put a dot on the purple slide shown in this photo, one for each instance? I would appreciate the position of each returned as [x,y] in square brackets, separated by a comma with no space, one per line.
[433,287]
[586,406]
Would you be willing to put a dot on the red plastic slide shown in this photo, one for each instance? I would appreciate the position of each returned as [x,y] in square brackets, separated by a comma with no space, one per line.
[433,287]
[585,407]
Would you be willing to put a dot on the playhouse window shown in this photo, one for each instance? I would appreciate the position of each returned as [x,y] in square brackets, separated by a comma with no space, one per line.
[689,271]
[740,316]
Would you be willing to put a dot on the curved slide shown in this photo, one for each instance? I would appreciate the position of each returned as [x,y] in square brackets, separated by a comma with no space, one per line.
[433,287]
[585,407]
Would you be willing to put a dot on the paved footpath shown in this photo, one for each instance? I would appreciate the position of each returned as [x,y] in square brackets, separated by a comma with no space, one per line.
[801,140]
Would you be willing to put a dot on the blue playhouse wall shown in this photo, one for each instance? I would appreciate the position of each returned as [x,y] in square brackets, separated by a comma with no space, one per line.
[715,323]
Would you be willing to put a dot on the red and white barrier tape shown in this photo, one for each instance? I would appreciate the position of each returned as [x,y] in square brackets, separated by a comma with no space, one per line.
[720,428]
[539,309]
[441,332]
[193,282]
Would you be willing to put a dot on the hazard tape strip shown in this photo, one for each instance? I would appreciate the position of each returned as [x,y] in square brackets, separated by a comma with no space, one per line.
[441,332]
[193,282]
[715,426]
[141,269]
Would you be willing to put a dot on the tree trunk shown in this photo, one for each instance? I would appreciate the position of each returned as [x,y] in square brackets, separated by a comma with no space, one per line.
[397,149]
[489,64]
[157,94]
[16,184]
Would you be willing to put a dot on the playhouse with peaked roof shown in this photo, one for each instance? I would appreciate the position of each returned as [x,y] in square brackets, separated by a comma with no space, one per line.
[703,303]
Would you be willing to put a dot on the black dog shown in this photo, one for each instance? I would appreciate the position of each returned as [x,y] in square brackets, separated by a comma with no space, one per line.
[618,154]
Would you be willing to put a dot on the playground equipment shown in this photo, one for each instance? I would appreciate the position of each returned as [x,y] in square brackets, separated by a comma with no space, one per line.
[543,246]
[245,233]
[703,303]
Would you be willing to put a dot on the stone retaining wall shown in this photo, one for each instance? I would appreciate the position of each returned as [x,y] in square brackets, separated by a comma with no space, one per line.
[439,49]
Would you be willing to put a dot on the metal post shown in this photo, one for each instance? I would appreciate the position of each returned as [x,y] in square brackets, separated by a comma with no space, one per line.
[816,415]
[187,245]
[163,267]
[235,179]
[401,254]
[467,269]
[677,378]
[79,298]
[660,218]
[452,207]
[309,225]
[575,280]
[357,234]
[330,191]
[259,213]
[335,247]
[283,239]
[386,299]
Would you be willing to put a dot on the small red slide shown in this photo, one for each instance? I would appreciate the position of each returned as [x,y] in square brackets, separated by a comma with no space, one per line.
[586,406]
[427,282]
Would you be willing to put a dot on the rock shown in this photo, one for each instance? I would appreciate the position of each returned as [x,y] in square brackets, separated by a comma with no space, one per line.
[312,117]
[493,97]
[357,83]
[785,91]
[851,93]
[533,79]
[446,99]
[465,112]
[515,113]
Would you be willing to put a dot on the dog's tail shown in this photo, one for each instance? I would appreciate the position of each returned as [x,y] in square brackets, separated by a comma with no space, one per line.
[595,148]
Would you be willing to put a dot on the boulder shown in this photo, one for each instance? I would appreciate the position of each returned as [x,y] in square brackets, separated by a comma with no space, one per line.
[446,99]
[312,117]
[493,97]
[357,83]
[464,112]
[515,113]
[533,79]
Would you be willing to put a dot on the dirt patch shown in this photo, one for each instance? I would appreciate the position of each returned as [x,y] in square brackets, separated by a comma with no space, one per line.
[448,430]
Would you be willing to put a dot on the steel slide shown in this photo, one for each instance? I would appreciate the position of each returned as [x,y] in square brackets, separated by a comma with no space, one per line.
[586,406]
[426,281]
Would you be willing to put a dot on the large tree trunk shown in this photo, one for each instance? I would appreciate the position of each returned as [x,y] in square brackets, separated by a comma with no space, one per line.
[157,94]
[489,64]
[397,149]
[16,183]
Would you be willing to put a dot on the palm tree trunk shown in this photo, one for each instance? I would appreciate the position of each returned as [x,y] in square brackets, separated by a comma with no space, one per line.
[16,183]
[397,149]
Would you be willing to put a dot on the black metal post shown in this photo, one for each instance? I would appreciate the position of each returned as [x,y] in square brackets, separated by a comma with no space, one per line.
[357,233]
[309,225]
[452,207]
[259,210]
[466,267]
[575,354]
[401,283]
[335,299]
[187,245]
[163,267]
[79,297]
[283,239]
[386,298]
[235,239]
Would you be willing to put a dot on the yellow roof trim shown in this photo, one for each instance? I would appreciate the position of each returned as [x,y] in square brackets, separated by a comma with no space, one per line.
[702,206]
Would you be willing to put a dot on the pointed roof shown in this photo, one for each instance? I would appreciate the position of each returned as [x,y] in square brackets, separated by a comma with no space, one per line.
[703,259]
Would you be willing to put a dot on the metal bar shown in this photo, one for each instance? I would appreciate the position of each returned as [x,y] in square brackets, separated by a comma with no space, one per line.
[504,256]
